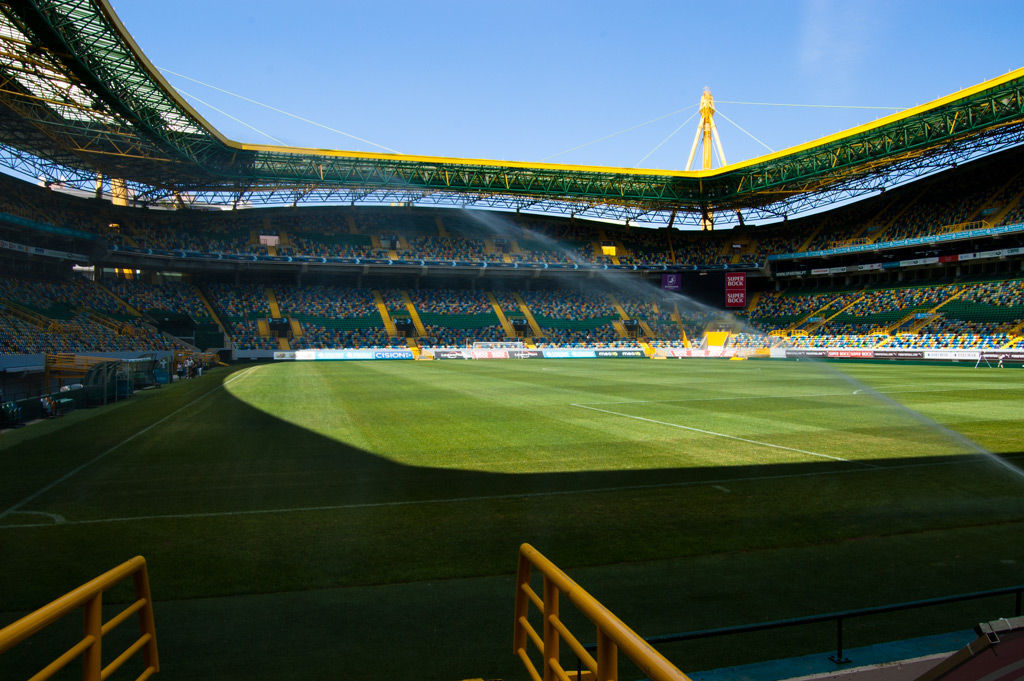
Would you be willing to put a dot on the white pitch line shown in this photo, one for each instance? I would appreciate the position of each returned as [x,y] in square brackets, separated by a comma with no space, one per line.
[792,397]
[56,517]
[123,442]
[723,435]
[497,497]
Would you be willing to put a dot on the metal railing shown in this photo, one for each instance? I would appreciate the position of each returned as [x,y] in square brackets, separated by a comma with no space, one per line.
[839,618]
[612,634]
[89,597]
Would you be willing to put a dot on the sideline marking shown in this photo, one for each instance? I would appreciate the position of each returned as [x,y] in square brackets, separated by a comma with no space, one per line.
[714,434]
[975,459]
[125,441]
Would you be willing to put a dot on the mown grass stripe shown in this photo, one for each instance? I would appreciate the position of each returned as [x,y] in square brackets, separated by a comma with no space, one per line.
[75,471]
[722,435]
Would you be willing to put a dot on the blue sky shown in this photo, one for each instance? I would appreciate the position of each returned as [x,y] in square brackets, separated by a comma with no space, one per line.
[527,80]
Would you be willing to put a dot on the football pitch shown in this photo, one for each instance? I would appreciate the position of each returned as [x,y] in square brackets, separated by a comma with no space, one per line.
[306,519]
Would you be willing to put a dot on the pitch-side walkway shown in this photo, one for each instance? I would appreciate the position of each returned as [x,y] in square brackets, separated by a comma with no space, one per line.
[897,661]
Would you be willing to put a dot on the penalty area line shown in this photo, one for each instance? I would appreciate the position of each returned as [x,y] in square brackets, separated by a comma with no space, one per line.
[714,482]
[79,469]
[722,435]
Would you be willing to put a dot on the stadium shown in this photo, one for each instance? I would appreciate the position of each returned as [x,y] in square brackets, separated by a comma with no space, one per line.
[773,430]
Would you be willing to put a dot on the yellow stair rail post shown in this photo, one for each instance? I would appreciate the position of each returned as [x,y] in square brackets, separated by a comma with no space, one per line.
[1012,203]
[755,298]
[618,307]
[413,314]
[417,351]
[816,313]
[1010,343]
[1016,329]
[624,316]
[513,249]
[877,235]
[725,250]
[134,312]
[613,635]
[389,323]
[921,323]
[109,322]
[817,325]
[89,597]
[32,317]
[209,308]
[883,342]
[620,250]
[618,325]
[892,326]
[275,310]
[809,240]
[678,319]
[534,327]
[506,325]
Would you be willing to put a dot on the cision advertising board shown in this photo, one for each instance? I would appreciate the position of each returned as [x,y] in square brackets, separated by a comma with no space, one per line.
[736,289]
[546,353]
[351,354]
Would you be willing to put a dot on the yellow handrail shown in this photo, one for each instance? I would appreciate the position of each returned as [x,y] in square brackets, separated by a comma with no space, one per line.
[89,596]
[612,634]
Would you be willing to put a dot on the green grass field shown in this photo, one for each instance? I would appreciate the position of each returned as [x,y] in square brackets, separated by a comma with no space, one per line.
[361,520]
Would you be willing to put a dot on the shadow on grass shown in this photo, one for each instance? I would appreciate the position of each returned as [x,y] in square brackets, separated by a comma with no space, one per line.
[261,521]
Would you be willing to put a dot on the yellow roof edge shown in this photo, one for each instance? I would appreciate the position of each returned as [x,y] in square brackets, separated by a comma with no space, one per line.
[106,8]
[115,21]
[466,161]
[885,120]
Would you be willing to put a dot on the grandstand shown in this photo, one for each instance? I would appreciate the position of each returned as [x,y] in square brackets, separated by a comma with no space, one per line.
[398,490]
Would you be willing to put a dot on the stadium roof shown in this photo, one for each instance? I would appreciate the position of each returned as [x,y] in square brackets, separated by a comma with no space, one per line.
[79,98]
